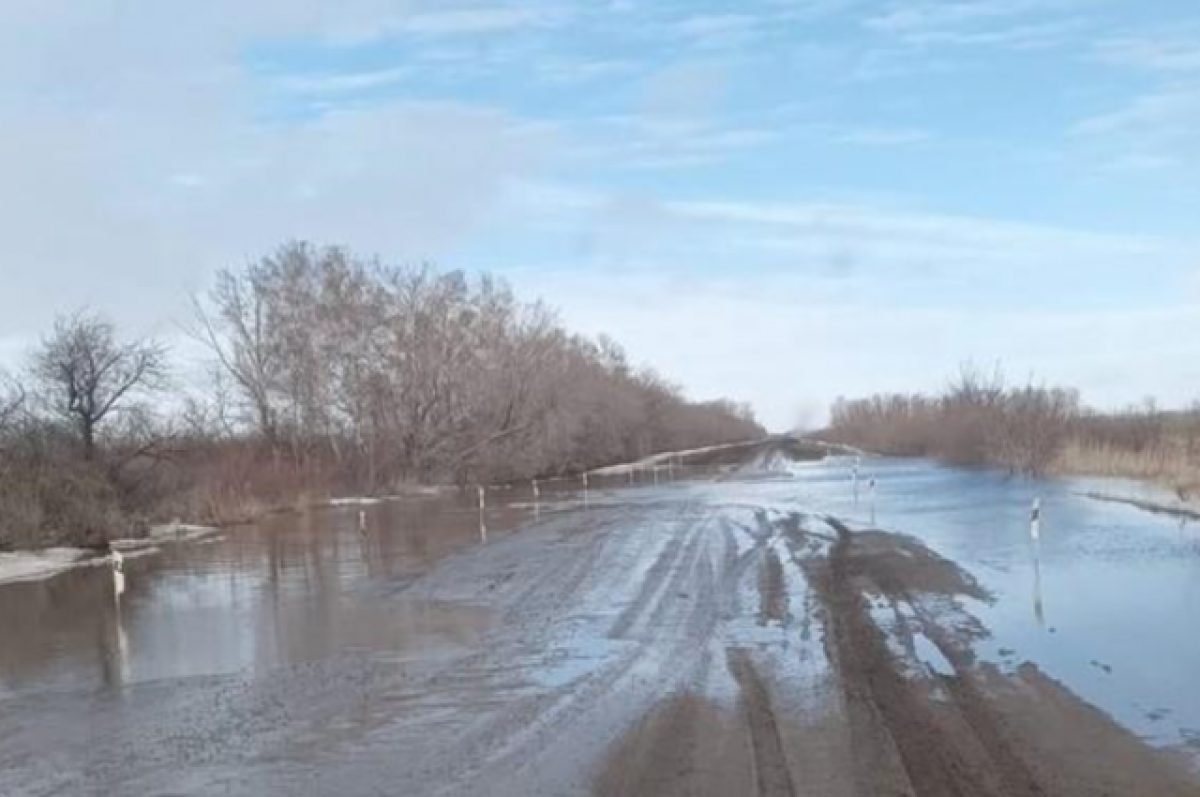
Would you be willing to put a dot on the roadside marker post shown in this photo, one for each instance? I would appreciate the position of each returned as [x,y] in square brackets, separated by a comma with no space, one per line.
[537,493]
[118,571]
[871,486]
[362,522]
[482,514]
[1035,520]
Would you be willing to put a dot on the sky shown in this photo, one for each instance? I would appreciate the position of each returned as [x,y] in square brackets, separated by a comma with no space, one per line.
[778,201]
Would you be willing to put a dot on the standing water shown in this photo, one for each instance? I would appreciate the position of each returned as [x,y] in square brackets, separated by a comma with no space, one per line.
[293,588]
[1105,602]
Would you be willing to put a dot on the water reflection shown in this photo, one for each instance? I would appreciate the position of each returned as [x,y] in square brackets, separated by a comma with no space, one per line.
[293,588]
[1039,607]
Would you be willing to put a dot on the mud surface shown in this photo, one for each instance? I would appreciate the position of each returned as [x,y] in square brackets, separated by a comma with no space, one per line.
[719,634]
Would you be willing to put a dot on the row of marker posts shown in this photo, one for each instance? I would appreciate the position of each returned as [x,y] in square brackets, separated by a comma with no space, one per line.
[536,489]
[1035,535]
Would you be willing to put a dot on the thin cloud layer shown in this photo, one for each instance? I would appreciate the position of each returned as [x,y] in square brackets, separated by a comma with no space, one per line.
[811,188]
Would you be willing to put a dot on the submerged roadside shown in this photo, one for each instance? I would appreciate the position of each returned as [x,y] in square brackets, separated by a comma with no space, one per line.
[736,632]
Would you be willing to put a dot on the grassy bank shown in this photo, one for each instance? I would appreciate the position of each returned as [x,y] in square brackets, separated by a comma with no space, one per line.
[1168,465]
[979,420]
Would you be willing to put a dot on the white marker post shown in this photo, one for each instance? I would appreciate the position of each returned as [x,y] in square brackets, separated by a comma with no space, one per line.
[118,570]
[585,489]
[1035,520]
[362,522]
[871,488]
[537,493]
[483,514]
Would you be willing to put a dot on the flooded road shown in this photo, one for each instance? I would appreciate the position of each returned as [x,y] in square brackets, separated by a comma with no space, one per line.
[736,628]
[1106,602]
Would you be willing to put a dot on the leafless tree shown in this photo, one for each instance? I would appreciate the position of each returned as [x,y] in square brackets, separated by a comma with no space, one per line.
[86,374]
[233,325]
[412,373]
[12,402]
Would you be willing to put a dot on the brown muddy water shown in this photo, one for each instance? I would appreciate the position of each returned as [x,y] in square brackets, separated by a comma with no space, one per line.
[293,588]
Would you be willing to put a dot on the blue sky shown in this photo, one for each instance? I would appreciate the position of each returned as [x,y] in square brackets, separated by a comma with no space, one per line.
[777,200]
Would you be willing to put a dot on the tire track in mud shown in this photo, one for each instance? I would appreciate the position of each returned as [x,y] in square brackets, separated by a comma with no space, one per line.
[771,773]
[667,615]
[936,763]
[773,601]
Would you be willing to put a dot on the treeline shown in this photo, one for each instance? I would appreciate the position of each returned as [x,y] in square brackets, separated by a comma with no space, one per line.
[977,420]
[981,420]
[329,372]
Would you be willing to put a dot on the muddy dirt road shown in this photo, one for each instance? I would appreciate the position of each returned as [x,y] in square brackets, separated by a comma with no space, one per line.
[732,630]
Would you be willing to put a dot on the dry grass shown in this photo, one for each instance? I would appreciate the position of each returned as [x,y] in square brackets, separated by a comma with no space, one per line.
[1167,463]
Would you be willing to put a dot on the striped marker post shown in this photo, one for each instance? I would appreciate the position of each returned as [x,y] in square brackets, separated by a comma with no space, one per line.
[483,535]
[118,571]
[1035,520]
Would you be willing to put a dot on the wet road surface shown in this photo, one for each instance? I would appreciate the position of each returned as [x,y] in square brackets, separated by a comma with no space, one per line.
[743,630]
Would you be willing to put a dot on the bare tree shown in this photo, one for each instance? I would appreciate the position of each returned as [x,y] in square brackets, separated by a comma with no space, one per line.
[86,374]
[235,330]
[12,401]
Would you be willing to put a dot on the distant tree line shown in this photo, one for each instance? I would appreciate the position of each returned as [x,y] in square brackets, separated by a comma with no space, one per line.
[329,372]
[981,420]
[977,420]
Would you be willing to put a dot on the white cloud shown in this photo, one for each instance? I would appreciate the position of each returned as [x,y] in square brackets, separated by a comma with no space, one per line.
[482,19]
[1168,52]
[721,30]
[345,82]
[1151,133]
[1010,24]
[566,71]
[137,156]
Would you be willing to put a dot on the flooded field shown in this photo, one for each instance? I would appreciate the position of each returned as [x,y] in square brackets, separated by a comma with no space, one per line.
[730,623]
[293,588]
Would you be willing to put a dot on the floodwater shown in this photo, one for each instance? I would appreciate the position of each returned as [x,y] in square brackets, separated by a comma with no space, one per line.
[307,607]
[1107,602]
[293,588]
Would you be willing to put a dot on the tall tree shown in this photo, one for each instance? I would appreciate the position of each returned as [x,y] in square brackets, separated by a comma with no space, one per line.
[87,375]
